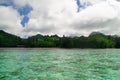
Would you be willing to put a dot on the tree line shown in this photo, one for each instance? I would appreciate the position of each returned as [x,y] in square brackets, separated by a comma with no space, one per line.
[94,40]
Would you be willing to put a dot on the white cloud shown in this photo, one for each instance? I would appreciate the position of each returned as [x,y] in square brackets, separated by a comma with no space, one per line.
[51,17]
[103,17]
[61,17]
[21,2]
[10,21]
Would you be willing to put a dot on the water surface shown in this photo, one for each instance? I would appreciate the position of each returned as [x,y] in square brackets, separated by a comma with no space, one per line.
[59,64]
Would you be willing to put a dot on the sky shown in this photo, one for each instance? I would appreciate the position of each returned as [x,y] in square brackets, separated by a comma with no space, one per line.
[62,17]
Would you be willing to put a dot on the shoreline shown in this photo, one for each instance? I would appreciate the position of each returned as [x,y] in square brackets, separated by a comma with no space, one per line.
[38,48]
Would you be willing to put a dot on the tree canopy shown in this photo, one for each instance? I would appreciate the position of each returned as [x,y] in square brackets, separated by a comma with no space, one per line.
[94,40]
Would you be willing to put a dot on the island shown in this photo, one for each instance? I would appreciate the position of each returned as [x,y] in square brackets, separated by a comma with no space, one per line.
[94,40]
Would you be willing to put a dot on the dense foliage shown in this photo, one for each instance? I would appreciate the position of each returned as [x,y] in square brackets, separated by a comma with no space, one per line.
[94,40]
[42,41]
[9,40]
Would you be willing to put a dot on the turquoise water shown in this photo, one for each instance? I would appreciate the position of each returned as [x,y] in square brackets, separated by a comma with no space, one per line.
[59,64]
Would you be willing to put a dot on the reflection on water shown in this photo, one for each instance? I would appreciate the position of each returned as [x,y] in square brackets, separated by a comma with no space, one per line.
[59,64]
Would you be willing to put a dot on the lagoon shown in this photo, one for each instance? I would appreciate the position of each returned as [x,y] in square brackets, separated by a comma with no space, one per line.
[59,64]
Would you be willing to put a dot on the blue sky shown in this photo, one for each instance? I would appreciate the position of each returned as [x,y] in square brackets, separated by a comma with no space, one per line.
[78,4]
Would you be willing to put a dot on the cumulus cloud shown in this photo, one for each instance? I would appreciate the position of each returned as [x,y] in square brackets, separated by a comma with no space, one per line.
[103,17]
[61,17]
[10,21]
[51,18]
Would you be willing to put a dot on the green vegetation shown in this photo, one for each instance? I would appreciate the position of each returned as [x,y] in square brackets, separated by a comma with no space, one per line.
[94,40]
[9,40]
[42,41]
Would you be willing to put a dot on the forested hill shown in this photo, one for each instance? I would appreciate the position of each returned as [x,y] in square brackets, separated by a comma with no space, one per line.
[9,40]
[94,40]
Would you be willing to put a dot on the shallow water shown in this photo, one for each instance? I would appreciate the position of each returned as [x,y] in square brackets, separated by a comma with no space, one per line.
[59,64]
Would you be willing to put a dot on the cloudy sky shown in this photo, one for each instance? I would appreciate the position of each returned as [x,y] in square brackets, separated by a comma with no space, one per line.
[62,17]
